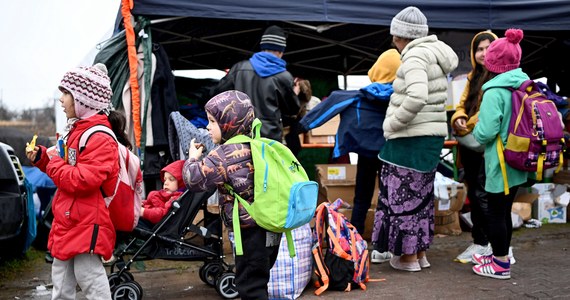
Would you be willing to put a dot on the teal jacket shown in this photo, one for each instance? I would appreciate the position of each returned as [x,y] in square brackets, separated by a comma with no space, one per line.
[494,118]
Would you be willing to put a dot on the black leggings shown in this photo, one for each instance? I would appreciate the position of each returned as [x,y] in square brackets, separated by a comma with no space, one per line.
[498,222]
[474,167]
[367,172]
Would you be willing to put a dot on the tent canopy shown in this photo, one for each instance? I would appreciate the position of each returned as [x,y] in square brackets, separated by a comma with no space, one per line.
[464,14]
[334,37]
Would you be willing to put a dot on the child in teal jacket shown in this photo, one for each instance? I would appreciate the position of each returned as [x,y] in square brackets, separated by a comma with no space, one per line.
[502,61]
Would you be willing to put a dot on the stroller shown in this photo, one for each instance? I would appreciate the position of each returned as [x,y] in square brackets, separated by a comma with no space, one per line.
[177,237]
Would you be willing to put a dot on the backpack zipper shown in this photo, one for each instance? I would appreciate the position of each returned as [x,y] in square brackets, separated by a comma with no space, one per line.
[266,167]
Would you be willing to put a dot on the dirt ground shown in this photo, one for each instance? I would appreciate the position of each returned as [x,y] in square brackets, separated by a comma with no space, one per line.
[541,272]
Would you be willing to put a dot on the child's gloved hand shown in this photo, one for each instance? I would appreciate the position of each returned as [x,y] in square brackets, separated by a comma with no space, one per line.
[195,150]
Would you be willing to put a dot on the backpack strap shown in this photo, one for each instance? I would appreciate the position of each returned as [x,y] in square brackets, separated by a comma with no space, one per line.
[500,150]
[321,269]
[256,128]
[86,135]
[235,217]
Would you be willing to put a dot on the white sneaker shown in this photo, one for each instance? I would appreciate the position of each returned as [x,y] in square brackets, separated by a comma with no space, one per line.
[379,257]
[511,256]
[465,256]
[405,266]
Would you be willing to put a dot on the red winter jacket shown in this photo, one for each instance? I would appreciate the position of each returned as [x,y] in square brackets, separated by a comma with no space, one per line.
[81,221]
[157,204]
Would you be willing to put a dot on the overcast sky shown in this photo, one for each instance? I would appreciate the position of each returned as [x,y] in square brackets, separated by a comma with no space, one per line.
[42,39]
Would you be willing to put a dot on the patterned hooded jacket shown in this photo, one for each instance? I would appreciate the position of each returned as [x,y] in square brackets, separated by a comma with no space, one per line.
[230,164]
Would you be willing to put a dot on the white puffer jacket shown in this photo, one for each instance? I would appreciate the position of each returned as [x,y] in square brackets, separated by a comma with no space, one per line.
[417,106]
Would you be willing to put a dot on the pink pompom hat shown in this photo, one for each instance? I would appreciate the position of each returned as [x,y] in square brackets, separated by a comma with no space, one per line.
[504,54]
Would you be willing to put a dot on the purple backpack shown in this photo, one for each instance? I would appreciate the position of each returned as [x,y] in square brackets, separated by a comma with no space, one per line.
[536,132]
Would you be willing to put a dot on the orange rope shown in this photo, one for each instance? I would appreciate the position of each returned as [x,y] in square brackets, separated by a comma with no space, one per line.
[126,7]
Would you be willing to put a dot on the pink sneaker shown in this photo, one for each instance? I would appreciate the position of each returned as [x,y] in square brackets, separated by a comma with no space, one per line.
[493,270]
[479,259]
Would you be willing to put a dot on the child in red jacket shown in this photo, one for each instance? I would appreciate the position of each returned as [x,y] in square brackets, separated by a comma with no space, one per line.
[158,203]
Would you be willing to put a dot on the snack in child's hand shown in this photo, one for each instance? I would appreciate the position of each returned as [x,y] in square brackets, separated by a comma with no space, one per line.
[32,144]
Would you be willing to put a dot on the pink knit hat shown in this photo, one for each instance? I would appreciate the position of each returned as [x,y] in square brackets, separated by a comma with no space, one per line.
[504,54]
[90,88]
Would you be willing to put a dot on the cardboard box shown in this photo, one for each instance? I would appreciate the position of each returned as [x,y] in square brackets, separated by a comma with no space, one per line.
[338,181]
[320,139]
[543,188]
[546,211]
[324,134]
[522,209]
[448,202]
[455,89]
[368,224]
[329,128]
[447,223]
[343,191]
[450,199]
[524,195]
[522,204]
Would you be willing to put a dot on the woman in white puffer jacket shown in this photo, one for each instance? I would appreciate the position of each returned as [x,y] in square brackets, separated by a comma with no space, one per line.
[415,128]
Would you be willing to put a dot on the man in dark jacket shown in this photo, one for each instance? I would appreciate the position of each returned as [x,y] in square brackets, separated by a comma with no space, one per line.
[267,82]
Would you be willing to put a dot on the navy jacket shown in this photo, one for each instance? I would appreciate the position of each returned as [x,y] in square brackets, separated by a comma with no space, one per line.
[361,112]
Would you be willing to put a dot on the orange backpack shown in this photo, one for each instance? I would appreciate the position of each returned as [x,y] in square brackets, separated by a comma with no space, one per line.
[345,261]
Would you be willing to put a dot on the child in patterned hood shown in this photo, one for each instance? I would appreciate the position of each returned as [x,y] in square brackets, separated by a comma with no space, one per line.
[229,114]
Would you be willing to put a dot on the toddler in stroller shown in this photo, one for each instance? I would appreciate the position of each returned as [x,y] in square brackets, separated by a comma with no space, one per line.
[183,234]
[157,204]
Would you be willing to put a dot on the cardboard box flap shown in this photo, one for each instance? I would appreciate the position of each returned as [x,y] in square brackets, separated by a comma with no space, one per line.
[336,172]
[329,128]
[525,196]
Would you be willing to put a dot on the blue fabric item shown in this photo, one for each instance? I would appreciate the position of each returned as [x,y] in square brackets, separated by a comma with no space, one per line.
[266,64]
[31,215]
[37,178]
[196,114]
[557,99]
[564,112]
[199,122]
[361,112]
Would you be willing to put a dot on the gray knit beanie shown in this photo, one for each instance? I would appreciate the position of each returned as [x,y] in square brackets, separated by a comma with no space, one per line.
[410,23]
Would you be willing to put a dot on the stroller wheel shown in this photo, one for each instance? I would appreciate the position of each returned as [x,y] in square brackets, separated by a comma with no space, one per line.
[127,291]
[115,280]
[139,287]
[226,286]
[209,272]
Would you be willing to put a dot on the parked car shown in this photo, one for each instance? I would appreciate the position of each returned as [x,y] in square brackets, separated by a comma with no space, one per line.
[14,205]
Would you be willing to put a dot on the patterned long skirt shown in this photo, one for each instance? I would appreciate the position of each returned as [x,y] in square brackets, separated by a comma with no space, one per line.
[404,219]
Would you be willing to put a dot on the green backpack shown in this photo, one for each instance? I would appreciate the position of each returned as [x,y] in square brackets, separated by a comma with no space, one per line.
[284,198]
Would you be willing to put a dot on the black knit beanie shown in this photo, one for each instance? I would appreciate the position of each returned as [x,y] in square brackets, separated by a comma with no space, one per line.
[273,38]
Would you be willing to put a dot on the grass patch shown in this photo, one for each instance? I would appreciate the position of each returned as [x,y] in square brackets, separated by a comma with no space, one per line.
[11,267]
